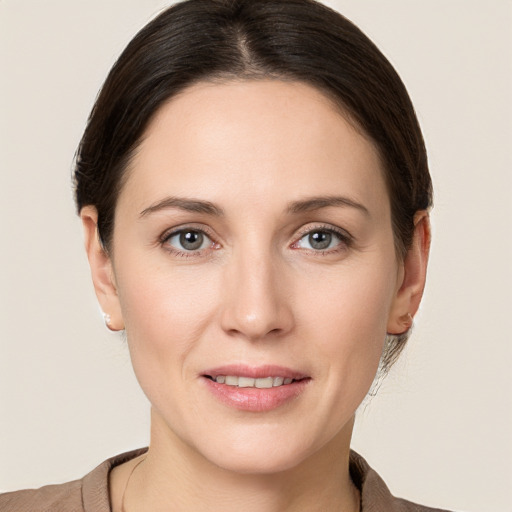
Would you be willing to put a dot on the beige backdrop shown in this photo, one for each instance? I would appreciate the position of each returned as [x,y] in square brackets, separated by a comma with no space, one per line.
[440,429]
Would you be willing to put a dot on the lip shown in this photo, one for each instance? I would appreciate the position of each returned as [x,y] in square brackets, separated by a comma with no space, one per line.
[255,372]
[254,399]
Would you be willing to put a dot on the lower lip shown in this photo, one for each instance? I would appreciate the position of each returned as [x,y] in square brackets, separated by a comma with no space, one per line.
[256,399]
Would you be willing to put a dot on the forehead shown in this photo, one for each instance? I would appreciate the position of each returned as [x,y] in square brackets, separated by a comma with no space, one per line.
[254,139]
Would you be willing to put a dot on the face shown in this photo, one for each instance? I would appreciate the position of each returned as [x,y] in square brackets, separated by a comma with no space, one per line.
[255,273]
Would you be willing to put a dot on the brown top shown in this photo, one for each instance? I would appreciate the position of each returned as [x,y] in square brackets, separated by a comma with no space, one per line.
[91,493]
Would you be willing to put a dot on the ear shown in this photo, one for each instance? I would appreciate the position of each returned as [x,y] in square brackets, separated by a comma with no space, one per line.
[101,270]
[412,277]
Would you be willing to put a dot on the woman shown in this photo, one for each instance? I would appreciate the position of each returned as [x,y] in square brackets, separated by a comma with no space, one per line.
[254,191]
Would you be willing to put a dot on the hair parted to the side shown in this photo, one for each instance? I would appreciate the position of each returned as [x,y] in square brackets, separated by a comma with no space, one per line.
[297,40]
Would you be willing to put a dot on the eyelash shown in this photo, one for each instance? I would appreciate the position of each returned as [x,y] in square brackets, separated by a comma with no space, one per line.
[345,239]
[186,229]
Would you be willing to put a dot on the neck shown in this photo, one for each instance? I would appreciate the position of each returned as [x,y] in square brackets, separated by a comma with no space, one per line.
[175,476]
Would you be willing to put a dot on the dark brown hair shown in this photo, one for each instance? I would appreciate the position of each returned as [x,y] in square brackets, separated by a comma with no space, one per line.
[299,40]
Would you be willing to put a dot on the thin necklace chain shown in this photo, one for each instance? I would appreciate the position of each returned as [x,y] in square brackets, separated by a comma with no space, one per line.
[359,497]
[128,481]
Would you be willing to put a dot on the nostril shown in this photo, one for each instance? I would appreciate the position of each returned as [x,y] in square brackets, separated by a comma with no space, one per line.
[256,318]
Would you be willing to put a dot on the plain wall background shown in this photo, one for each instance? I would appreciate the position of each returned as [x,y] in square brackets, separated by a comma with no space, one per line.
[439,431]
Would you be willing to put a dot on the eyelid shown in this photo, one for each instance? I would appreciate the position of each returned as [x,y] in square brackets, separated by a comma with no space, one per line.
[345,237]
[201,228]
[184,227]
[342,234]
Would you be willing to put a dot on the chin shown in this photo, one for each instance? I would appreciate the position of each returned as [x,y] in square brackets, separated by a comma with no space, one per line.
[260,454]
[255,464]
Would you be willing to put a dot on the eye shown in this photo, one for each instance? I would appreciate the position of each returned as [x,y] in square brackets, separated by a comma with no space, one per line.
[321,240]
[188,240]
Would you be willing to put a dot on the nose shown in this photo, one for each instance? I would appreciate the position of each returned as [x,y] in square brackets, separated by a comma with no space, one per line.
[257,301]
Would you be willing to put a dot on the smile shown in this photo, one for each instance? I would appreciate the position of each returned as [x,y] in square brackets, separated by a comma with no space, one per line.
[255,389]
[249,382]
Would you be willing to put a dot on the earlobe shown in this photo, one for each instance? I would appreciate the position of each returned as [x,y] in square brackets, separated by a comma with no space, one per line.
[101,270]
[413,276]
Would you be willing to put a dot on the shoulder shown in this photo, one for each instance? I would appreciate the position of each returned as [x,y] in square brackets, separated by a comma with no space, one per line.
[89,494]
[375,495]
[66,496]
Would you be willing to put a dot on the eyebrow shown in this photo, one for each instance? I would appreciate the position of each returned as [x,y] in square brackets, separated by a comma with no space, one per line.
[317,203]
[189,205]
[302,206]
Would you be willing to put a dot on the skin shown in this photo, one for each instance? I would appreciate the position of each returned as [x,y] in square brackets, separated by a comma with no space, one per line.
[257,292]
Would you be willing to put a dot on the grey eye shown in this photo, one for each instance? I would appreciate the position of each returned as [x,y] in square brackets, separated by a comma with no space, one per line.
[189,240]
[319,240]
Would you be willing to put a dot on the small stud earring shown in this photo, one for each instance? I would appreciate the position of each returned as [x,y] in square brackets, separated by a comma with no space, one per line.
[107,319]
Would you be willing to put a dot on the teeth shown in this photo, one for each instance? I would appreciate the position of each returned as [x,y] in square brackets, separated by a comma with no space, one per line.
[264,383]
[249,382]
[231,381]
[245,382]
[278,381]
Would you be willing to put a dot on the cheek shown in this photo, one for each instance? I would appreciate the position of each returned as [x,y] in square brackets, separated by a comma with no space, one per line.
[347,317]
[350,300]
[165,315]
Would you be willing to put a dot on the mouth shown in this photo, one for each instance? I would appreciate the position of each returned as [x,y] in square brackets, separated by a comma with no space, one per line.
[256,389]
[250,382]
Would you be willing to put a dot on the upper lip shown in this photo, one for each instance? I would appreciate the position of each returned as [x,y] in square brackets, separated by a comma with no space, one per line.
[255,372]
